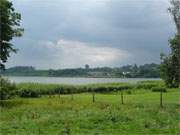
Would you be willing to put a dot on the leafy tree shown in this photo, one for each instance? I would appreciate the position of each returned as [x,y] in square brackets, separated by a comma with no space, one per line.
[170,66]
[9,28]
[7,89]
[175,12]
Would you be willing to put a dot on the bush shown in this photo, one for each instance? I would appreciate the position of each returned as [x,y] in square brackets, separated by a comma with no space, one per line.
[145,86]
[124,87]
[111,88]
[29,93]
[129,92]
[100,89]
[159,89]
[148,84]
[7,89]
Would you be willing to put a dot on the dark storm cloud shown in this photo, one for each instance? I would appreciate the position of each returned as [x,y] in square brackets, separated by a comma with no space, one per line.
[139,27]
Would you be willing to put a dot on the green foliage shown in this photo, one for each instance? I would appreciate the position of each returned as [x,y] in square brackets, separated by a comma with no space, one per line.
[7,89]
[37,89]
[9,28]
[170,65]
[110,87]
[29,93]
[159,89]
[148,84]
[175,12]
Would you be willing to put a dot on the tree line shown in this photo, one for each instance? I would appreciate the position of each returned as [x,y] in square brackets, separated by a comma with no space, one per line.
[128,71]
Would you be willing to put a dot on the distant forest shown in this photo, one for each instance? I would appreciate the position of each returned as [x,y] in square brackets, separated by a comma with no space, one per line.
[128,71]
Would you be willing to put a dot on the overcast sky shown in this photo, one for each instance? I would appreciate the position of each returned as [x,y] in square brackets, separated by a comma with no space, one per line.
[72,33]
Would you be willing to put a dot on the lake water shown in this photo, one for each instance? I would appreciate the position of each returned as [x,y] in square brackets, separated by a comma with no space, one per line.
[75,81]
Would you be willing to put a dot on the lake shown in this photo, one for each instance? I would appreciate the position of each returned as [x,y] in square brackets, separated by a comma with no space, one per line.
[75,81]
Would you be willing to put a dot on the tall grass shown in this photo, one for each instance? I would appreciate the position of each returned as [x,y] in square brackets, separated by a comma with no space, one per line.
[38,89]
[149,84]
[51,89]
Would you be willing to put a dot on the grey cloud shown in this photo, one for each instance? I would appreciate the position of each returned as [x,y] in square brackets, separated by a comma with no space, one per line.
[141,27]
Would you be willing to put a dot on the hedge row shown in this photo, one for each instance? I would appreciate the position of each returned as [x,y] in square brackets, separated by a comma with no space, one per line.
[7,89]
[36,90]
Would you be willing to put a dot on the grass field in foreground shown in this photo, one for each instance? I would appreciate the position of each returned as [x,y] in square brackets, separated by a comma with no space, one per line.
[140,114]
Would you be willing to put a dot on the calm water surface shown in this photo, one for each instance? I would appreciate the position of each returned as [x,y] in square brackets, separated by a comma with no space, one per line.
[75,81]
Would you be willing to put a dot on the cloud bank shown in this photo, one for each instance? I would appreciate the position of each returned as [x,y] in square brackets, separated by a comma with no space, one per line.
[72,54]
[71,33]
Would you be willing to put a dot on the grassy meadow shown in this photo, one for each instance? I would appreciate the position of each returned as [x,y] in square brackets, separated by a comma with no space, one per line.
[63,115]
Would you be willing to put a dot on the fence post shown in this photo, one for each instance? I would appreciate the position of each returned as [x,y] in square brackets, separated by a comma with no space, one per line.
[93,96]
[161,104]
[59,93]
[122,98]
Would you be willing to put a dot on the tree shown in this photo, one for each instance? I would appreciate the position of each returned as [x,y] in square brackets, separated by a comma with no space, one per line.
[9,28]
[170,66]
[175,12]
[87,67]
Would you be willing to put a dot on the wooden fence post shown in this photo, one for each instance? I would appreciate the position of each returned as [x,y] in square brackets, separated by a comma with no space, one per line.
[161,104]
[122,98]
[59,93]
[93,96]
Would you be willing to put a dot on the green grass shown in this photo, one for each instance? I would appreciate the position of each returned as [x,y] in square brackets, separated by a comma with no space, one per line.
[141,114]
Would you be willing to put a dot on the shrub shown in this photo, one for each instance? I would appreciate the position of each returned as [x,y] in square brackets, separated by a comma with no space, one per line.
[159,89]
[29,93]
[111,88]
[124,87]
[100,89]
[149,84]
[129,92]
[7,89]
